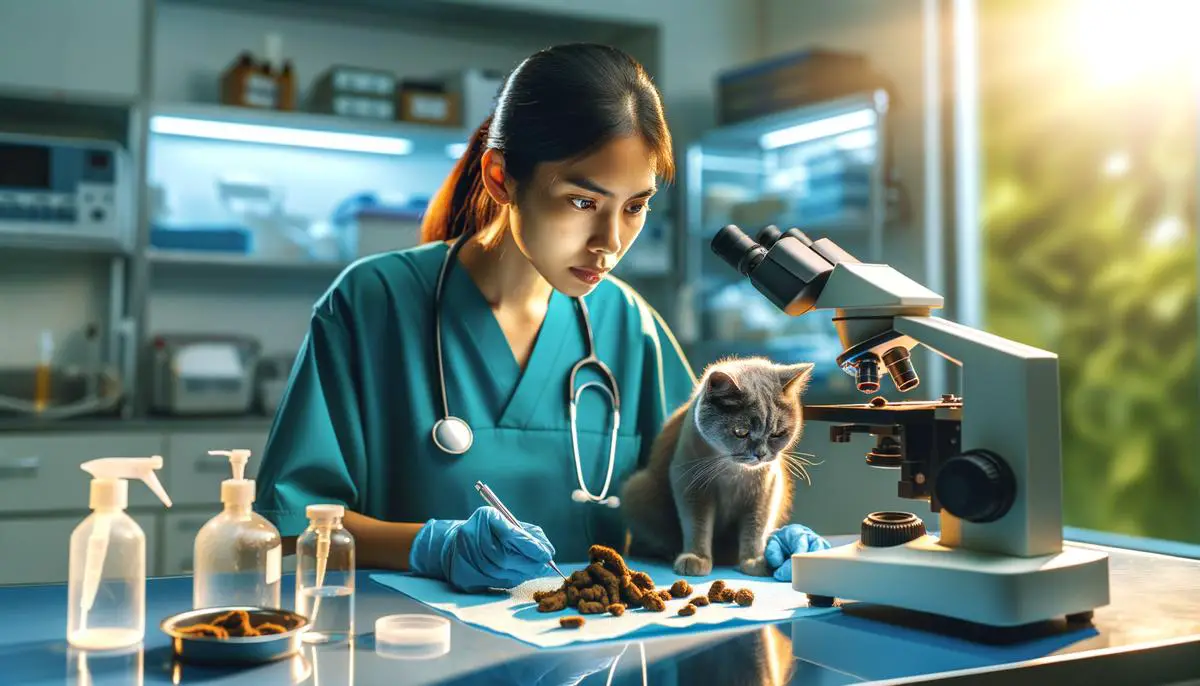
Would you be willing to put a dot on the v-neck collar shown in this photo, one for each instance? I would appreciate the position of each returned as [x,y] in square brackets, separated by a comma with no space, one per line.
[522,389]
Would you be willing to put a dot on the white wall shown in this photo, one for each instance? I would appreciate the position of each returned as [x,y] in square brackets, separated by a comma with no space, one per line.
[698,39]
[891,35]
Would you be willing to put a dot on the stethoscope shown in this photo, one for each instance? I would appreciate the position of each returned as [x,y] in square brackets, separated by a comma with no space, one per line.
[454,436]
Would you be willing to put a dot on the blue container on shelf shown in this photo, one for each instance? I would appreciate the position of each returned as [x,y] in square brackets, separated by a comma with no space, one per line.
[224,239]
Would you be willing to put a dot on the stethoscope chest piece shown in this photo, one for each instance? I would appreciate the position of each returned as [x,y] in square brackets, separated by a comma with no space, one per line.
[453,435]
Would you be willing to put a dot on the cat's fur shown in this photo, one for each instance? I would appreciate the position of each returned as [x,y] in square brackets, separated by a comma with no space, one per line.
[705,496]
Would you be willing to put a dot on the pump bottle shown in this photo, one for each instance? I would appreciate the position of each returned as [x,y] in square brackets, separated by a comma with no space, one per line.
[106,589]
[237,560]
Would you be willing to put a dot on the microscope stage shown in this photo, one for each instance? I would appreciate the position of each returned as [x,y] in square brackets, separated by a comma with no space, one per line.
[985,588]
[901,412]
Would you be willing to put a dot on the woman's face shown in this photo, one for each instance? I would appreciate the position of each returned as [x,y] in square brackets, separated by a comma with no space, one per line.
[575,220]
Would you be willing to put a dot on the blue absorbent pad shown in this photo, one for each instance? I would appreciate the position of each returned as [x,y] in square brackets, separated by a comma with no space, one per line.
[513,613]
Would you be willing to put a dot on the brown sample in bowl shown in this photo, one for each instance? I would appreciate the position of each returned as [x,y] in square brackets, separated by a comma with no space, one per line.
[204,630]
[616,609]
[699,601]
[681,589]
[687,610]
[727,595]
[570,622]
[744,597]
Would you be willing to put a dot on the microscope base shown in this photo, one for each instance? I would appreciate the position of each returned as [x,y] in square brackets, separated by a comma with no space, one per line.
[985,588]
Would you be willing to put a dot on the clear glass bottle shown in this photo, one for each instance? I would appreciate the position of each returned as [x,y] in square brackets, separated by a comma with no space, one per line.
[238,554]
[325,575]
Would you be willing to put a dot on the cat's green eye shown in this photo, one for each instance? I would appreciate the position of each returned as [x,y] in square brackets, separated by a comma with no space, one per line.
[741,432]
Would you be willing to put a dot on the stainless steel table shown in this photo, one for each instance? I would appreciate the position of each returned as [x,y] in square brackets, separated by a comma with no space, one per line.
[1149,634]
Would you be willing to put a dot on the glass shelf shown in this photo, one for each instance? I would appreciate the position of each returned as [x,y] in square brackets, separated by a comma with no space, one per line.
[190,261]
[306,129]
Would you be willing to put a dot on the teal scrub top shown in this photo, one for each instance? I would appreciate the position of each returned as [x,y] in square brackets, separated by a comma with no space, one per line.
[355,424]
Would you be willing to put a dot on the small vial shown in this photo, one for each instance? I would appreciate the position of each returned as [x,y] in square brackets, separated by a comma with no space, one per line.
[325,576]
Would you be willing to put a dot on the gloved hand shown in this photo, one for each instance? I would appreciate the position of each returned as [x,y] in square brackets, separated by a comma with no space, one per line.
[484,551]
[787,541]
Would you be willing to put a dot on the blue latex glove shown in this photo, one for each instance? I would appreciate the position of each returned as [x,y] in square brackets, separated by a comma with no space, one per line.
[787,541]
[484,551]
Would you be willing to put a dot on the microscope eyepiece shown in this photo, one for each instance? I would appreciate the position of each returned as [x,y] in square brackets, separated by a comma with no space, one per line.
[768,236]
[899,365]
[737,249]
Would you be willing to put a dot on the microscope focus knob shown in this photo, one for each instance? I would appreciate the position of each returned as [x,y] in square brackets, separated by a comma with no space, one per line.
[977,486]
[887,529]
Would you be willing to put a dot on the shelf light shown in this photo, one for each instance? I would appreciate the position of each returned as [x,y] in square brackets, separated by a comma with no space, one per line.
[456,150]
[275,135]
[814,130]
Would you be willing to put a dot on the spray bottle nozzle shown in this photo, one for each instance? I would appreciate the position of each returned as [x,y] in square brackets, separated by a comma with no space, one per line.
[115,468]
[237,460]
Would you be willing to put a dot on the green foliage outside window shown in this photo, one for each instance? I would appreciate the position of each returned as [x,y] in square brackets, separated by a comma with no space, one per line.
[1089,250]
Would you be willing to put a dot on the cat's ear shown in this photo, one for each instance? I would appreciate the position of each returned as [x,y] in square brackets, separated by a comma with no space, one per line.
[794,377]
[720,383]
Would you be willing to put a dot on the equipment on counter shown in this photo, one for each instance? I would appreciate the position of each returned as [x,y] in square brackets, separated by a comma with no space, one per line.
[325,546]
[204,374]
[238,555]
[453,435]
[63,188]
[109,547]
[990,464]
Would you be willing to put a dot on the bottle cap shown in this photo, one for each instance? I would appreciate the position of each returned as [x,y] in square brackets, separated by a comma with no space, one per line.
[324,513]
[413,636]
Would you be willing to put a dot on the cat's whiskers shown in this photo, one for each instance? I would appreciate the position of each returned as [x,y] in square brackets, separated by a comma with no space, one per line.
[795,462]
[802,457]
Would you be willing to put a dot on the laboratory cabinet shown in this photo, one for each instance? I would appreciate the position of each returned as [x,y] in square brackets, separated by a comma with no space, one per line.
[44,493]
[78,49]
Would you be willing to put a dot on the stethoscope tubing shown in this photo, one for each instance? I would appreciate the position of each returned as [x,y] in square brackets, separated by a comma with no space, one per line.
[608,386]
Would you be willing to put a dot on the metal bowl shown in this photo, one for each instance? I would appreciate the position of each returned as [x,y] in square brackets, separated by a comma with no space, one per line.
[234,651]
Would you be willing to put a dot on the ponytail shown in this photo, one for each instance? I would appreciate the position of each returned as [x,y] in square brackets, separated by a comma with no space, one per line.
[462,205]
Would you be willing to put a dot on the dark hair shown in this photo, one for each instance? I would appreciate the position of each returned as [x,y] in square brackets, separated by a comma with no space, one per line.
[560,103]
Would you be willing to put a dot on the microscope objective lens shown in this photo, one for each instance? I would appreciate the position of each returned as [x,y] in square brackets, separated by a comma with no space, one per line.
[867,374]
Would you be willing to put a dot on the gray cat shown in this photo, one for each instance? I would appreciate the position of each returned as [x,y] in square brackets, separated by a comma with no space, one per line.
[718,479]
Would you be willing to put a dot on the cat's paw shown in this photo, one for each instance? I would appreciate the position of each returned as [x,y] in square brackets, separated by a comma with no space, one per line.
[691,564]
[755,566]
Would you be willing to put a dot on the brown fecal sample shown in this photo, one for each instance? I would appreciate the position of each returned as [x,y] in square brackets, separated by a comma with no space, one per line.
[715,591]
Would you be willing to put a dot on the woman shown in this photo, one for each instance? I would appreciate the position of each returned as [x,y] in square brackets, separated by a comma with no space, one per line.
[552,191]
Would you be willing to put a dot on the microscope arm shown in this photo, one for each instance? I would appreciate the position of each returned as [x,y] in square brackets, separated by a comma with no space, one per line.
[1010,408]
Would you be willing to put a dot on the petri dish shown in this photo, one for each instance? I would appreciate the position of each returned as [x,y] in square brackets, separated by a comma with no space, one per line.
[412,637]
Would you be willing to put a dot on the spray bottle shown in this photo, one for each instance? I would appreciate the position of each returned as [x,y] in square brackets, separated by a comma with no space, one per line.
[106,590]
[238,555]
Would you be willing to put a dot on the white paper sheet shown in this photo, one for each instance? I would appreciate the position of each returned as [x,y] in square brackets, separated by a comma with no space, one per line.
[515,614]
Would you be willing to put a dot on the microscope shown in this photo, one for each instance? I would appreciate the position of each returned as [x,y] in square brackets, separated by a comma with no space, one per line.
[988,462]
